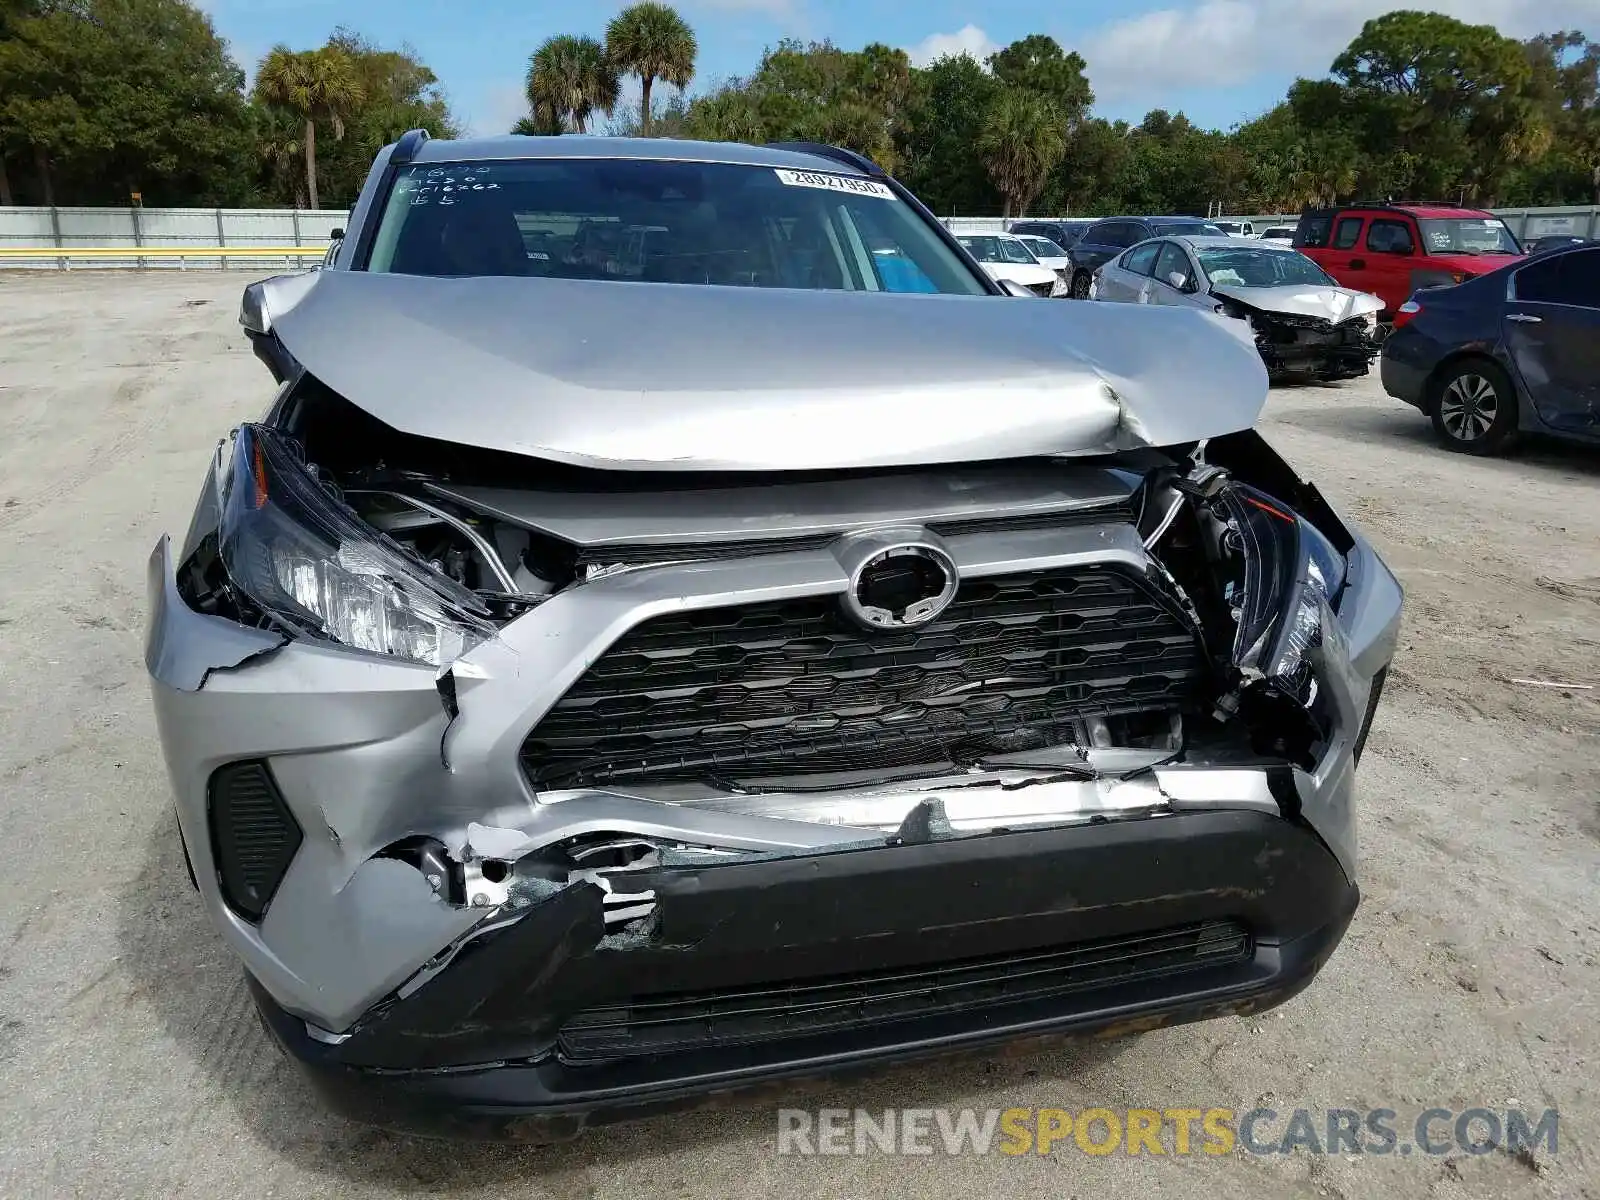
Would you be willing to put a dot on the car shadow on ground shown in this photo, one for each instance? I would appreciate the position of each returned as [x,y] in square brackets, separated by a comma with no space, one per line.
[197,995]
[1407,425]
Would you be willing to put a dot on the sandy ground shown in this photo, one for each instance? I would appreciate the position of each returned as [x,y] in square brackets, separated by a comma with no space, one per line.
[134,1066]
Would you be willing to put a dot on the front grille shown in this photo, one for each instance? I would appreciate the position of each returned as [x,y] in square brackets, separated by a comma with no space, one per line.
[253,836]
[1042,289]
[709,1020]
[794,687]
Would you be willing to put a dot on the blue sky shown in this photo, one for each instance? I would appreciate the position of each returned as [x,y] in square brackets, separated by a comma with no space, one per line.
[1221,61]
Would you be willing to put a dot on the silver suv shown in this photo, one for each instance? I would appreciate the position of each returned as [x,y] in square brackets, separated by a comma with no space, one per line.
[616,668]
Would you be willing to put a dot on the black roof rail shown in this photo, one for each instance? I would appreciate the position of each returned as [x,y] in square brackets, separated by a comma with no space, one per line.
[838,153]
[405,150]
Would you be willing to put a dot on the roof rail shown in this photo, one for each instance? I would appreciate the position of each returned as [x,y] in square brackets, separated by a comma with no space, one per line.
[838,153]
[405,150]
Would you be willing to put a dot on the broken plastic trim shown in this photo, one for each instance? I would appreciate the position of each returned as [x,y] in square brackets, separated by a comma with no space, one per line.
[316,568]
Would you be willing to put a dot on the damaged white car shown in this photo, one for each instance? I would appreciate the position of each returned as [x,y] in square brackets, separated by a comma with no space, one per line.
[586,689]
[1300,319]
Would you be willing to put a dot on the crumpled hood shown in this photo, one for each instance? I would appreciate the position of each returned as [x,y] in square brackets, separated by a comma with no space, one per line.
[646,376]
[1303,300]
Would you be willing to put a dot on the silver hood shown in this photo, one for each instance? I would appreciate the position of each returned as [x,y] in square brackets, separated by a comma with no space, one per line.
[646,376]
[1304,300]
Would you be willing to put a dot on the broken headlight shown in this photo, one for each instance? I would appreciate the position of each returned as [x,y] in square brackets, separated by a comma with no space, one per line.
[1287,576]
[314,567]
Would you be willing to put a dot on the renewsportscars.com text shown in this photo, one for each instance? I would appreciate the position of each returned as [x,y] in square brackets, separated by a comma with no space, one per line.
[1168,1131]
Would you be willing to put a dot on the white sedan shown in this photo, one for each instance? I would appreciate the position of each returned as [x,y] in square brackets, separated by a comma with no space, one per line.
[1007,258]
[1047,252]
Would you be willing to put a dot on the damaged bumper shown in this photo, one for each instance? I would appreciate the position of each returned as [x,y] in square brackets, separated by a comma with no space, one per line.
[548,1025]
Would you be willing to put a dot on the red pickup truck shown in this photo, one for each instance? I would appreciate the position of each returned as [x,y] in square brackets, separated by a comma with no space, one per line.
[1393,250]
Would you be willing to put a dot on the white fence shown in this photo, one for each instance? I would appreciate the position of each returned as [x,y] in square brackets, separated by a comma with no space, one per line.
[198,229]
[159,228]
[1526,223]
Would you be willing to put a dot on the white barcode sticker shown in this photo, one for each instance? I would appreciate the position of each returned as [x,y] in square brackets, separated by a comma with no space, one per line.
[834,183]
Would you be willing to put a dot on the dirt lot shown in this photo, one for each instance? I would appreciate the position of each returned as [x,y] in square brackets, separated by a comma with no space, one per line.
[134,1065]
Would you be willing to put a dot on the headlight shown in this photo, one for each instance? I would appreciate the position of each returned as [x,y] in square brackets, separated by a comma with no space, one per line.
[314,567]
[1290,576]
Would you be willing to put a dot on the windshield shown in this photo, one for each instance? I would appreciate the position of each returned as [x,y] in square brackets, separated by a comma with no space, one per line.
[661,222]
[991,248]
[1191,229]
[1249,267]
[1467,235]
[1279,231]
[1044,247]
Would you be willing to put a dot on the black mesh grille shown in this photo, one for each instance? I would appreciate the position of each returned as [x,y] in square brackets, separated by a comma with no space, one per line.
[666,1024]
[253,836]
[796,687]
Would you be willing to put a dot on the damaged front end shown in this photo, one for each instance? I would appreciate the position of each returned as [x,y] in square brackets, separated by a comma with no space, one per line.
[547,791]
[1321,347]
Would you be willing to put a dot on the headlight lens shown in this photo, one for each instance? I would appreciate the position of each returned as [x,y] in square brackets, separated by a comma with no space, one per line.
[316,568]
[1291,576]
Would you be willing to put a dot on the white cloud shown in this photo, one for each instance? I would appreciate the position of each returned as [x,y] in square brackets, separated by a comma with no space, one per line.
[1227,43]
[969,39]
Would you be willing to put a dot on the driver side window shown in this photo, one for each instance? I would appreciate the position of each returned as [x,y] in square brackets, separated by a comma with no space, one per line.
[1173,261]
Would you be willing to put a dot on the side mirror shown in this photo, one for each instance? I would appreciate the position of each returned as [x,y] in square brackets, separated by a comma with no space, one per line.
[335,234]
[1012,288]
[1178,280]
[253,312]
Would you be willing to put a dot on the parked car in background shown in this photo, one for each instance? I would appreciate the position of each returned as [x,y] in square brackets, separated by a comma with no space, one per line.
[1006,258]
[1301,321]
[1278,235]
[566,725]
[1515,350]
[1241,229]
[1063,231]
[1048,253]
[1559,241]
[1391,250]
[1104,240]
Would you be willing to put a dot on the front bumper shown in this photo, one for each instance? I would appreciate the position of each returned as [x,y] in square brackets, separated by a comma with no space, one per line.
[488,1048]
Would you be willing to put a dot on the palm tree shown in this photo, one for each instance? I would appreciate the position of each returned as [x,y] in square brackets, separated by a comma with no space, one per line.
[569,79]
[1022,139]
[651,41]
[315,85]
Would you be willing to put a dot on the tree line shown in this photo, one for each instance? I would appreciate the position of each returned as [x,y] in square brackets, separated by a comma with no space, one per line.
[101,100]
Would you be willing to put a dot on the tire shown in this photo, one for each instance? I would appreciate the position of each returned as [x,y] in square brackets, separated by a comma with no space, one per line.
[1474,408]
[1080,285]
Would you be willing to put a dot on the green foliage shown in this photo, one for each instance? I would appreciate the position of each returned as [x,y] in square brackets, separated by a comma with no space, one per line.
[651,41]
[945,112]
[1022,138]
[100,98]
[570,78]
[1038,64]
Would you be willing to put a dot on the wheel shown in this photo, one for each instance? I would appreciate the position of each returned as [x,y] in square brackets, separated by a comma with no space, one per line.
[1475,408]
[1080,285]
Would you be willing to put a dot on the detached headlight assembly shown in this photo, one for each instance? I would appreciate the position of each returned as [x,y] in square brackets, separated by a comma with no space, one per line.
[1288,580]
[315,568]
